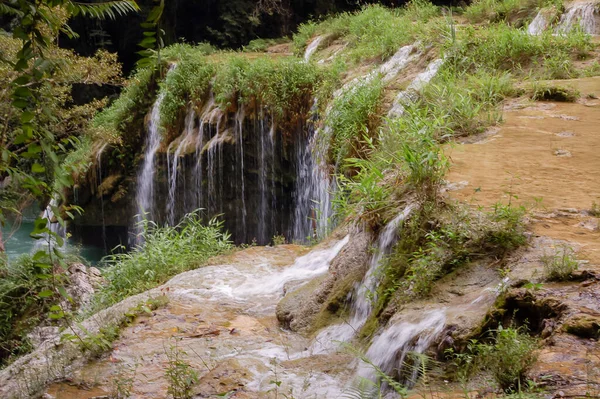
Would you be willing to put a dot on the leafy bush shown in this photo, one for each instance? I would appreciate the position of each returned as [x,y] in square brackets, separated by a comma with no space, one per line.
[352,117]
[284,85]
[26,298]
[514,11]
[165,252]
[509,357]
[375,32]
[561,264]
[503,48]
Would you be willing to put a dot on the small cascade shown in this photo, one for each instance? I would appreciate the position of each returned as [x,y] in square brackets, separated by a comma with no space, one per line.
[172,165]
[361,308]
[48,242]
[390,350]
[313,185]
[328,339]
[239,136]
[538,25]
[312,47]
[145,189]
[410,95]
[579,13]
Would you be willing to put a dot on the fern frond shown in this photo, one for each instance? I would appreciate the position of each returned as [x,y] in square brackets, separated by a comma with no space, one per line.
[104,10]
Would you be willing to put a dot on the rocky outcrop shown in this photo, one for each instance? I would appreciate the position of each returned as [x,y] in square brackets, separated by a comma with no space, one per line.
[315,304]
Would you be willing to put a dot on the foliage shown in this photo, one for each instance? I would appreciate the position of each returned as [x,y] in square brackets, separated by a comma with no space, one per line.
[550,92]
[512,11]
[302,36]
[284,85]
[500,47]
[560,265]
[189,81]
[512,233]
[353,116]
[375,32]
[509,357]
[165,252]
[180,375]
[26,297]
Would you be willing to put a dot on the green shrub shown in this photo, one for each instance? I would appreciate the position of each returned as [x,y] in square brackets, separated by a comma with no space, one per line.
[503,48]
[509,357]
[510,231]
[560,265]
[513,11]
[284,85]
[304,34]
[352,117]
[115,120]
[26,298]
[166,251]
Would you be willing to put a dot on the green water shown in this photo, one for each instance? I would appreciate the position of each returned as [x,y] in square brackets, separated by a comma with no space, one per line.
[18,242]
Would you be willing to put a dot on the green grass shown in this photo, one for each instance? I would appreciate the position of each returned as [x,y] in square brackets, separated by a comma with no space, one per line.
[560,265]
[353,117]
[285,85]
[373,33]
[500,47]
[166,251]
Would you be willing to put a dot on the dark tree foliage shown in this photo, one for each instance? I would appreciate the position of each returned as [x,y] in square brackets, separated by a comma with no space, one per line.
[223,23]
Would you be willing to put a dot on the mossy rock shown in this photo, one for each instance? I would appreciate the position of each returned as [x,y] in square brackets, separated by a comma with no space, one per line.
[583,325]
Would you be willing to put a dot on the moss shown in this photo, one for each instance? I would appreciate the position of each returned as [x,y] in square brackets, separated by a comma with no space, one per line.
[584,326]
[335,306]
[549,92]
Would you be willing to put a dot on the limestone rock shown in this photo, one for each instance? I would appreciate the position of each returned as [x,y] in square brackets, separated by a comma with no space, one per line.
[301,309]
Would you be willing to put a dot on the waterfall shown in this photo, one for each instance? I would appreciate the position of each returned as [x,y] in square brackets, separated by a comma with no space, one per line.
[329,337]
[410,94]
[172,168]
[361,308]
[313,183]
[581,13]
[145,189]
[265,158]
[48,242]
[390,350]
[312,47]
[239,131]
[538,25]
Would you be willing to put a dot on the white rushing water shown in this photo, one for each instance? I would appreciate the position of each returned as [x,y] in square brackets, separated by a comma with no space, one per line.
[173,163]
[48,242]
[538,25]
[582,14]
[411,93]
[312,47]
[263,286]
[329,338]
[145,180]
[390,350]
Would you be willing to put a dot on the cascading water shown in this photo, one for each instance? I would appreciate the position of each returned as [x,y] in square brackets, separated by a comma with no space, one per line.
[579,13]
[48,242]
[390,350]
[145,189]
[313,185]
[329,337]
[172,165]
[411,93]
[312,47]
[538,25]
